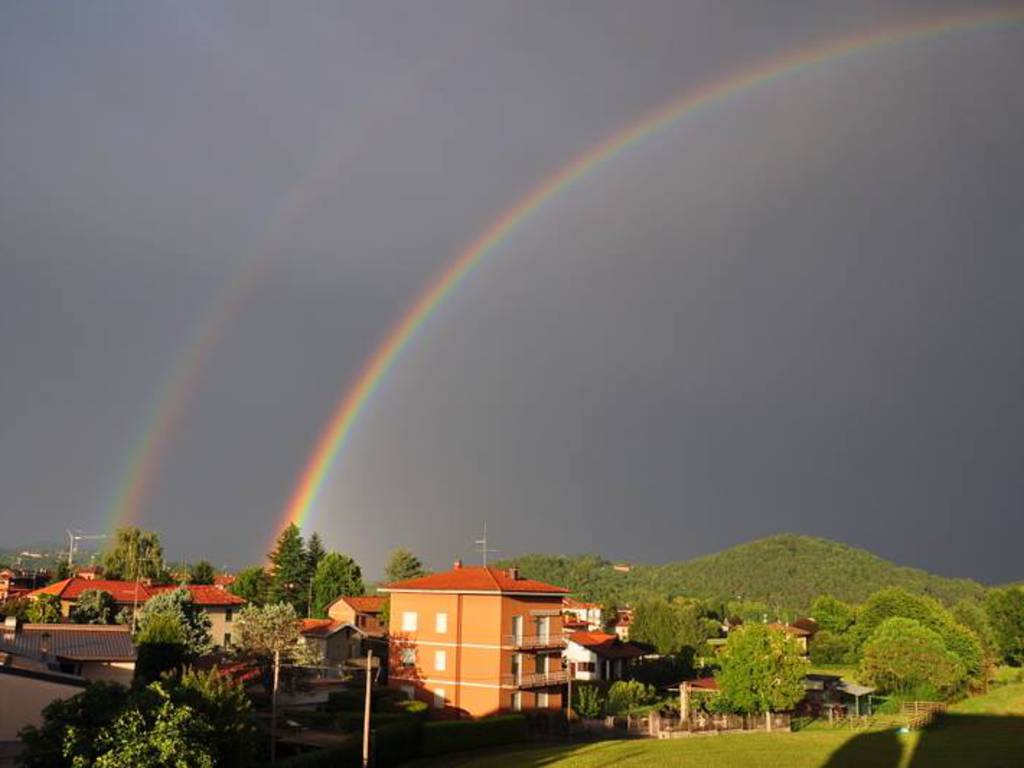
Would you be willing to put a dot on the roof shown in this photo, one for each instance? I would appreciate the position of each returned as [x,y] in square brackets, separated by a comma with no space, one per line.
[121,591]
[475,578]
[224,579]
[324,627]
[607,645]
[703,684]
[789,629]
[570,603]
[203,594]
[74,642]
[363,603]
[855,689]
[129,591]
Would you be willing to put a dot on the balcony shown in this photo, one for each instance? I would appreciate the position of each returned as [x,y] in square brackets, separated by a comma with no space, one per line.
[535,642]
[537,679]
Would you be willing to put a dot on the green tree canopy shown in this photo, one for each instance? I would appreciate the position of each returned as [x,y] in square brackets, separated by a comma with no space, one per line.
[252,584]
[193,720]
[761,670]
[45,609]
[94,606]
[265,630]
[336,575]
[896,602]
[289,570]
[403,564]
[201,573]
[178,604]
[314,552]
[832,614]
[1005,611]
[135,554]
[903,654]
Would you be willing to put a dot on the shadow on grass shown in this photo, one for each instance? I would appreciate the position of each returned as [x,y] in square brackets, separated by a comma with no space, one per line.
[954,740]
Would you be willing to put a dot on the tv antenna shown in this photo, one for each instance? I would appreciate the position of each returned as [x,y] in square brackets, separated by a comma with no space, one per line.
[76,536]
[482,545]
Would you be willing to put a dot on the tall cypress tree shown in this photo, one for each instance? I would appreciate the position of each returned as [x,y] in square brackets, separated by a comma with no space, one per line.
[315,552]
[289,571]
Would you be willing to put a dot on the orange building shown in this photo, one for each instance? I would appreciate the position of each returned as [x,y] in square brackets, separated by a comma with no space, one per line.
[476,641]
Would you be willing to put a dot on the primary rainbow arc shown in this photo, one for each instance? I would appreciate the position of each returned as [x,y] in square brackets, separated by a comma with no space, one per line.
[354,400]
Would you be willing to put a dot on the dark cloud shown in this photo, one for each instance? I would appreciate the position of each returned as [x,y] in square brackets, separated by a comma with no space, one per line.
[795,310]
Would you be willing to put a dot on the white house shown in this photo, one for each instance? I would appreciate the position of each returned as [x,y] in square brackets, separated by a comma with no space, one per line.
[599,655]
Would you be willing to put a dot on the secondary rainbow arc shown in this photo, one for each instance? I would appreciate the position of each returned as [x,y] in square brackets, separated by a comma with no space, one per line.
[343,417]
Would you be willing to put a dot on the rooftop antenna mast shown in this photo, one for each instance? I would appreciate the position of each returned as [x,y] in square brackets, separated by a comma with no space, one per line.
[482,545]
[76,536]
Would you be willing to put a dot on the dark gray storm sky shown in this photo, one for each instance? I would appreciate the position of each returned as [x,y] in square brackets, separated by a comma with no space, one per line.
[798,310]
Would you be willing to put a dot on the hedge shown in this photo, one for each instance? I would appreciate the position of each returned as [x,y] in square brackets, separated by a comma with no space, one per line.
[454,735]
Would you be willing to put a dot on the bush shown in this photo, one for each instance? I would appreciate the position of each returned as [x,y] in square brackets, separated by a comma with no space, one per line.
[443,737]
[155,659]
[587,701]
[627,695]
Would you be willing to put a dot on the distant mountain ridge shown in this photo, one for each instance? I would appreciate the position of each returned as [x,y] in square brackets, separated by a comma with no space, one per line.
[785,572]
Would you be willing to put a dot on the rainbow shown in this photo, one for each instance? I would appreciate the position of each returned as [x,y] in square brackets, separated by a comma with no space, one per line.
[142,464]
[354,400]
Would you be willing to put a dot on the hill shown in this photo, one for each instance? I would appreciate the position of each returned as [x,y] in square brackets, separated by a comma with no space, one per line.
[785,572]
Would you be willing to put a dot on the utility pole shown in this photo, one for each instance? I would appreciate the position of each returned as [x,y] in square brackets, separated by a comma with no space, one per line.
[568,703]
[366,709]
[273,707]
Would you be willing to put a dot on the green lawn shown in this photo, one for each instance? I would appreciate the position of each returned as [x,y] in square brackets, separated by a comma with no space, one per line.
[985,731]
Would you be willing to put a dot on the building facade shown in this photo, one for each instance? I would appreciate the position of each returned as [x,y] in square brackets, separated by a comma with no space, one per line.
[475,641]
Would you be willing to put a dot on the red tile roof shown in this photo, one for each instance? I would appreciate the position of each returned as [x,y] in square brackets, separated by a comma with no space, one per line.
[321,627]
[364,603]
[704,684]
[129,591]
[605,644]
[474,579]
[791,630]
[204,594]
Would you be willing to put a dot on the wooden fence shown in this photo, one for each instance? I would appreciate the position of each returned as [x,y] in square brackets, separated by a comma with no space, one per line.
[921,713]
[656,726]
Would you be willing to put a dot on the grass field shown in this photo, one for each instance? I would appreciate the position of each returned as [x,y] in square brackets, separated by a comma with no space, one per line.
[986,731]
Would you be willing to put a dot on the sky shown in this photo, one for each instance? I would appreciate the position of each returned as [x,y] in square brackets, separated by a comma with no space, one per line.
[796,310]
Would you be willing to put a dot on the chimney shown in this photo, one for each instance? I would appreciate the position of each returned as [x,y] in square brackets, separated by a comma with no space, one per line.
[513,573]
[458,564]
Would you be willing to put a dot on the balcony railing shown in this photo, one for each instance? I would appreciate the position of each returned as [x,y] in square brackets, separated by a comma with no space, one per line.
[537,679]
[533,642]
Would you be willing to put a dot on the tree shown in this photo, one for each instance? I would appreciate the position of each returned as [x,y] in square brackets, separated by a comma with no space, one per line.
[18,607]
[627,695]
[252,584]
[201,573]
[191,720]
[178,603]
[832,615]
[896,602]
[761,670]
[827,647]
[289,570]
[587,701]
[94,606]
[135,554]
[403,564]
[336,575]
[45,609]
[1005,611]
[314,553]
[265,630]
[903,654]
[657,624]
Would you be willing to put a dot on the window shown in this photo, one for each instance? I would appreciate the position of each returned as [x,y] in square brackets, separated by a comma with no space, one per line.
[517,667]
[441,623]
[543,624]
[440,660]
[408,657]
[543,700]
[227,639]
[439,698]
[517,701]
[408,621]
[585,666]
[517,628]
[227,615]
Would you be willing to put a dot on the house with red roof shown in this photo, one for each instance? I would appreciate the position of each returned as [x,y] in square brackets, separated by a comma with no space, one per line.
[599,655]
[361,611]
[219,604]
[474,640]
[586,616]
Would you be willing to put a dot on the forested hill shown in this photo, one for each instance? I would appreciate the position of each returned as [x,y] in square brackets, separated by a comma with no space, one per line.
[784,572]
